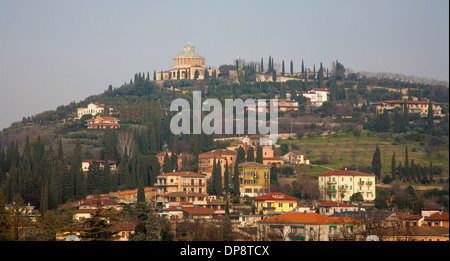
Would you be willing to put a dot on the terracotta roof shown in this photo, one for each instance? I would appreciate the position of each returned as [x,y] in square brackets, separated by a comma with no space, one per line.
[438,216]
[402,102]
[217,153]
[337,204]
[345,173]
[198,211]
[275,196]
[252,164]
[296,217]
[182,174]
[104,118]
[184,194]
[414,231]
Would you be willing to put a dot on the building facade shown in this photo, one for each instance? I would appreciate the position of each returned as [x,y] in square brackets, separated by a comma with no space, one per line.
[294,226]
[340,185]
[181,181]
[296,157]
[103,123]
[254,179]
[274,203]
[92,108]
[420,107]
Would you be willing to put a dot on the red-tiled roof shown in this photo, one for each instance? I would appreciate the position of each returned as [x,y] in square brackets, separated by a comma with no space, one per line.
[408,102]
[218,153]
[253,164]
[182,174]
[345,173]
[295,217]
[198,211]
[275,196]
[438,216]
[337,204]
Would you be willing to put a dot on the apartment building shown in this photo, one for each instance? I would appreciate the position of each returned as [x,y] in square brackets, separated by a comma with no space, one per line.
[254,179]
[340,185]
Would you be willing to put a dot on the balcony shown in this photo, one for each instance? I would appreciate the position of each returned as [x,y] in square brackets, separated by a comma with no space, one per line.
[331,182]
[369,183]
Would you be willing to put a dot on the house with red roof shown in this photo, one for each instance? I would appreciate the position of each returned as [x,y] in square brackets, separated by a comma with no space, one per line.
[293,226]
[103,122]
[274,203]
[420,107]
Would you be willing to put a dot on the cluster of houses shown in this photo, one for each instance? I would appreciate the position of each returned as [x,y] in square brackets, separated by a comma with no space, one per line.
[181,196]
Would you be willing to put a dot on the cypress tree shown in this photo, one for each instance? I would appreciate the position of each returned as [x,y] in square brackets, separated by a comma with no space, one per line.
[282,67]
[292,68]
[226,177]
[405,114]
[250,154]
[259,155]
[406,167]
[218,183]
[236,184]
[262,66]
[141,192]
[167,164]
[393,167]
[376,163]
[431,172]
[320,76]
[430,123]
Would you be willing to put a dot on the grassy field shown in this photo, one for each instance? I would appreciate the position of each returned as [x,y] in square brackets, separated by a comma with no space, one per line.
[344,149]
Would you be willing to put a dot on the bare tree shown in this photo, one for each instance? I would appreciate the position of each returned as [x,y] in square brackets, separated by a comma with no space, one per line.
[126,143]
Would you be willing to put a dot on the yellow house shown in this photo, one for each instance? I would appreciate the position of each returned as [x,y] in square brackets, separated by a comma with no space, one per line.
[420,107]
[254,179]
[274,203]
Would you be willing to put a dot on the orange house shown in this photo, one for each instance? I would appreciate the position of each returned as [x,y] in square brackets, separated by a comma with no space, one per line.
[103,123]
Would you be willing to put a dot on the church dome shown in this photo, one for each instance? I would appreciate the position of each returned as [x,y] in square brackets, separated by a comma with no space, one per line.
[188,58]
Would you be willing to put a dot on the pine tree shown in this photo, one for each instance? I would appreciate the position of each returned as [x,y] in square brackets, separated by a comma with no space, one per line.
[5,221]
[97,228]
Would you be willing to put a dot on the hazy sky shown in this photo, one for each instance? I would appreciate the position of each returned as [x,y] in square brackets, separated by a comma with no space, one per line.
[55,52]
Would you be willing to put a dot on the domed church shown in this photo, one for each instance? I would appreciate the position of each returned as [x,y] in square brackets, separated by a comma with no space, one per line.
[187,65]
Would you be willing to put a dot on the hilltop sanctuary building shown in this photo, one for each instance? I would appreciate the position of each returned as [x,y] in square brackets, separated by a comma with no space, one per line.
[187,65]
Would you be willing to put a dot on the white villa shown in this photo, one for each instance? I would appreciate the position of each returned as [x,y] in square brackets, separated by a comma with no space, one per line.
[92,108]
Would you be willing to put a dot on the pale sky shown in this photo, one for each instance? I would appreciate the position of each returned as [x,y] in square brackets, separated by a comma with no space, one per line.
[55,52]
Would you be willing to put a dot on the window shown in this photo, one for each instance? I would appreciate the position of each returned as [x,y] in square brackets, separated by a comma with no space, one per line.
[280,205]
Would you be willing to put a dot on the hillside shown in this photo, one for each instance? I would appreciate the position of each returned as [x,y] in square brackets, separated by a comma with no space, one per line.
[342,133]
